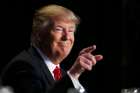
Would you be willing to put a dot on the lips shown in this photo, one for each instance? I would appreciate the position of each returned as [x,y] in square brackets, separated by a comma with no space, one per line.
[63,44]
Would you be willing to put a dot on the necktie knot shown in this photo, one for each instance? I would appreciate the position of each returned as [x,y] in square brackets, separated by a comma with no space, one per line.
[57,73]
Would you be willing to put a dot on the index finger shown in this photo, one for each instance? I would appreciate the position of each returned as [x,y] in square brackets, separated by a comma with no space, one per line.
[88,49]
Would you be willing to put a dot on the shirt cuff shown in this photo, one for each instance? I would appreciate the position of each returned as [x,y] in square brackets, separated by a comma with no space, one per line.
[76,83]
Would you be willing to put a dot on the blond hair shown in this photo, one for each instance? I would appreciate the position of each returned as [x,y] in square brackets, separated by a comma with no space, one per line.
[45,16]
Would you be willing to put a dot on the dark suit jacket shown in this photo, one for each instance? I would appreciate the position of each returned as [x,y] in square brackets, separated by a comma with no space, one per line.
[27,73]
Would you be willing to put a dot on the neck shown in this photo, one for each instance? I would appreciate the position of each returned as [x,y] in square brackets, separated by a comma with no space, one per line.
[55,61]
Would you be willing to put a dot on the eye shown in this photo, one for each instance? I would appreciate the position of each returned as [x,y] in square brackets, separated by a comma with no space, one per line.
[58,29]
[72,30]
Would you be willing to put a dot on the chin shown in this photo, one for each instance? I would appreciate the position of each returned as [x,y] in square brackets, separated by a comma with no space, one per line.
[64,55]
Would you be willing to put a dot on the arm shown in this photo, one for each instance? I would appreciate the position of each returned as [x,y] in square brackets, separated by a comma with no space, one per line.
[85,61]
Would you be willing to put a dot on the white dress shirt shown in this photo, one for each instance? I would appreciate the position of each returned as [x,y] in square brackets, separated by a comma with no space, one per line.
[48,62]
[52,66]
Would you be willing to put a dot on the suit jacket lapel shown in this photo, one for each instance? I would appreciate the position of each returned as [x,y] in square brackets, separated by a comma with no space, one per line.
[41,64]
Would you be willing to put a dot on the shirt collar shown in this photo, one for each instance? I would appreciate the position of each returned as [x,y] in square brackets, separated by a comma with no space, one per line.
[47,61]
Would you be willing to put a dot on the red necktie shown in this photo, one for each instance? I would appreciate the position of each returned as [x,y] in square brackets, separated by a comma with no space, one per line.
[57,73]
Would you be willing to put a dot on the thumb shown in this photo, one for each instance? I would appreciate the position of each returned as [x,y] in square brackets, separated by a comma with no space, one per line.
[98,57]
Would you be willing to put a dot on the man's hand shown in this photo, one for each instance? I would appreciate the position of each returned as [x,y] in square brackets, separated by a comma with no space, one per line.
[85,61]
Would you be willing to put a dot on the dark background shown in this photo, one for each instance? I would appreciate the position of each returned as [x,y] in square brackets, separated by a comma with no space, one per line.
[113,25]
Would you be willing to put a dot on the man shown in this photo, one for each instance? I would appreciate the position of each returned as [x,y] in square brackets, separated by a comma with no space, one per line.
[36,70]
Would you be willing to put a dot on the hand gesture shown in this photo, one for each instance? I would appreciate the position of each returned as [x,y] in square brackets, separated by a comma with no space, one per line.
[85,61]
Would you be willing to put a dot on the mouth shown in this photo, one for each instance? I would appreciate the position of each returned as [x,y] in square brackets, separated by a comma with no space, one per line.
[63,44]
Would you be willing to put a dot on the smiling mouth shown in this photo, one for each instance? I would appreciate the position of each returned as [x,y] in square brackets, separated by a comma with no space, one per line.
[63,44]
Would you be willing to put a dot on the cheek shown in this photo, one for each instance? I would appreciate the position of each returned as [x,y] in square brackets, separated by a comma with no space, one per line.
[54,41]
[72,40]
[56,37]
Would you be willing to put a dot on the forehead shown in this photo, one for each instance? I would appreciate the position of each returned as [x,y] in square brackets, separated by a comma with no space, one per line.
[68,23]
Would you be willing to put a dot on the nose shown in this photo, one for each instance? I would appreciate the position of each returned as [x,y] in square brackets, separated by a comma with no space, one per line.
[65,36]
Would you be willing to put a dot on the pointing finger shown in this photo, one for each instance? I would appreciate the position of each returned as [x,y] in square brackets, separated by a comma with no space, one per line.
[88,49]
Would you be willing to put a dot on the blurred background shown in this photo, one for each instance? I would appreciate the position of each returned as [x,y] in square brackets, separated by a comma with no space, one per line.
[113,25]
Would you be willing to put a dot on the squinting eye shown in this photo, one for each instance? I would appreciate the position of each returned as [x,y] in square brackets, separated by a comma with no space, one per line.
[58,29]
[72,31]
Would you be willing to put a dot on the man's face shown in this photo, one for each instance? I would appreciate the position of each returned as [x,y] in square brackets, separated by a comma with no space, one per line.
[60,39]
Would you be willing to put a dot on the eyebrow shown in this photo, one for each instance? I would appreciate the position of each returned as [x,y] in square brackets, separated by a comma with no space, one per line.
[71,27]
